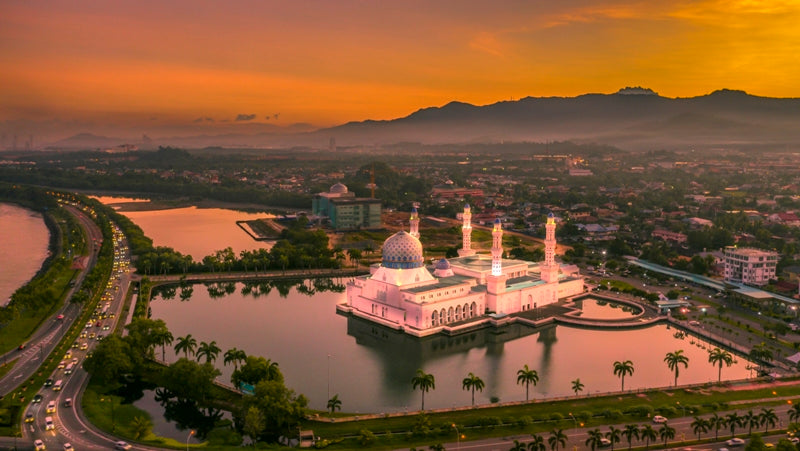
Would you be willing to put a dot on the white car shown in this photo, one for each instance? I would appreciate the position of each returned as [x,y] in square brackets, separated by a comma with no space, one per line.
[658,419]
[48,424]
[736,441]
[51,407]
[39,445]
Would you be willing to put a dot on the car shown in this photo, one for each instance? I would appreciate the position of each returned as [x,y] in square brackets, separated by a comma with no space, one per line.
[122,445]
[92,335]
[68,447]
[76,344]
[48,382]
[794,440]
[658,419]
[605,442]
[37,398]
[736,441]
[60,317]
[29,417]
[88,325]
[84,346]
[51,407]
[62,364]
[21,347]
[106,327]
[39,445]
[48,424]
[68,402]
[83,334]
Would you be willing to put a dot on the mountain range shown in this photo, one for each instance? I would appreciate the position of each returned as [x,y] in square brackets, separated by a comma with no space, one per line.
[632,118]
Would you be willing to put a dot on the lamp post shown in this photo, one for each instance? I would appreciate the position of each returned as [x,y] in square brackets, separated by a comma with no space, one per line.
[191,433]
[329,376]
[682,407]
[458,436]
[575,420]
[113,423]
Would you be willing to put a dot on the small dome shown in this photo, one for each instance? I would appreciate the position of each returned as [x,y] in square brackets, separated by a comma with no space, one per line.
[443,264]
[402,251]
[413,209]
[466,206]
[550,215]
[339,188]
[497,221]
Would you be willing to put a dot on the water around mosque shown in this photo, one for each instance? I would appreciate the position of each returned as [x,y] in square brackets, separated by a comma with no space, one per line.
[24,239]
[322,353]
[602,309]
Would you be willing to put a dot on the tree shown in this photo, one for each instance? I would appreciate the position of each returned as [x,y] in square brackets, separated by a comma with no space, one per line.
[756,444]
[208,350]
[527,376]
[144,334]
[595,439]
[719,357]
[235,356]
[750,420]
[254,423]
[110,360]
[666,432]
[716,422]
[794,413]
[630,432]
[623,368]
[577,386]
[733,420]
[613,435]
[518,446]
[767,418]
[674,360]
[699,426]
[425,382]
[282,408]
[164,338]
[334,403]
[141,427]
[187,345]
[255,370]
[190,380]
[647,433]
[537,444]
[557,437]
[472,382]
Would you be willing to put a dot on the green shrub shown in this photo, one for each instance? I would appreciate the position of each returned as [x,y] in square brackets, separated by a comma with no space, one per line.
[556,417]
[366,437]
[642,410]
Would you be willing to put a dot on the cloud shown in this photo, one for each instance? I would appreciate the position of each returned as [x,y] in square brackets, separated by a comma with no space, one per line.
[245,117]
[203,119]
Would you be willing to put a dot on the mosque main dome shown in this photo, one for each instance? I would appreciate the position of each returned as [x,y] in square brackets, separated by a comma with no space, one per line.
[339,188]
[402,251]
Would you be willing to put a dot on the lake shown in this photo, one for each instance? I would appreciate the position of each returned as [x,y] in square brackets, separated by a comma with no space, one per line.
[322,353]
[24,240]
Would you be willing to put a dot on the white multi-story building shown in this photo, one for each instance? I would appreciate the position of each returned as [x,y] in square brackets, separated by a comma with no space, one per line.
[750,266]
[401,292]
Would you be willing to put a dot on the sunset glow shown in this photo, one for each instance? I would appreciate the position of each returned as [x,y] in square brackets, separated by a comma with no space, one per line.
[162,66]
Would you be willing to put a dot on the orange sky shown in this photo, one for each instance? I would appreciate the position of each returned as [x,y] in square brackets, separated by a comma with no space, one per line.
[156,66]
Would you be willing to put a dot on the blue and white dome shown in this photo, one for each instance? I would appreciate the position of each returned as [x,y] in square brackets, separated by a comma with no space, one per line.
[402,251]
[339,188]
[443,264]
[442,269]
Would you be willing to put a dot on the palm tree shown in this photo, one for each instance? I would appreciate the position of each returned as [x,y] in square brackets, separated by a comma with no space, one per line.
[273,372]
[437,447]
[557,437]
[768,418]
[647,433]
[186,344]
[527,376]
[208,350]
[537,444]
[472,382]
[622,369]
[164,338]
[613,435]
[751,419]
[674,359]
[577,386]
[719,356]
[716,422]
[235,356]
[425,382]
[518,446]
[666,432]
[794,413]
[595,439]
[334,403]
[630,432]
[699,426]
[733,420]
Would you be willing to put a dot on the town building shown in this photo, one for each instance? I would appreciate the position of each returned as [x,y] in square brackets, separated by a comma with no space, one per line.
[749,266]
[402,293]
[345,211]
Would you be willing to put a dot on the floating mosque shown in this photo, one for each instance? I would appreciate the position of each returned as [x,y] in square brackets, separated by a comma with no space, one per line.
[454,294]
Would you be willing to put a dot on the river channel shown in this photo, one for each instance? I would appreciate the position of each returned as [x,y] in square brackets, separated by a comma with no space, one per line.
[24,239]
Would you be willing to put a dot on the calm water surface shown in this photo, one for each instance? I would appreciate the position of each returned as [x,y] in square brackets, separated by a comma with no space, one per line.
[601,309]
[193,231]
[23,247]
[321,352]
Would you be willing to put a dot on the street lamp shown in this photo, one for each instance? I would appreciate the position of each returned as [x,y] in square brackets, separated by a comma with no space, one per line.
[191,433]
[113,423]
[682,407]
[458,436]
[575,420]
[329,376]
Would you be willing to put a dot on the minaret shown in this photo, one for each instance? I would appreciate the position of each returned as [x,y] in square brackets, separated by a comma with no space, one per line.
[497,248]
[414,223]
[466,234]
[550,267]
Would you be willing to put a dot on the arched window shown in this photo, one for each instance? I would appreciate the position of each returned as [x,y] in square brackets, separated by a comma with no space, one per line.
[472,309]
[441,316]
[465,309]
[434,319]
[450,315]
[458,313]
